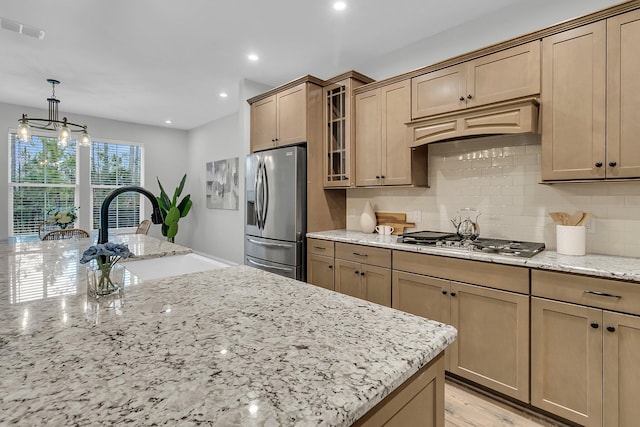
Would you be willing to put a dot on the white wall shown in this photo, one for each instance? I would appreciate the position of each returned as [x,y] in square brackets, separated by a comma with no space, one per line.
[219,232]
[165,157]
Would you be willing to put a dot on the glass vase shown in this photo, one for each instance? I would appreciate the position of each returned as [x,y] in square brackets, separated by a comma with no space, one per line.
[106,281]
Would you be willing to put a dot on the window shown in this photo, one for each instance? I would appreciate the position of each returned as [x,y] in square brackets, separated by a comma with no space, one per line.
[42,177]
[114,165]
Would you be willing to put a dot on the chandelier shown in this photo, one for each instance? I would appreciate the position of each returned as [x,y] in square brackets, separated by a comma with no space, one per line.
[64,127]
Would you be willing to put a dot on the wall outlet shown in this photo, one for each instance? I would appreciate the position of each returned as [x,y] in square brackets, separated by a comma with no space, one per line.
[591,225]
[415,216]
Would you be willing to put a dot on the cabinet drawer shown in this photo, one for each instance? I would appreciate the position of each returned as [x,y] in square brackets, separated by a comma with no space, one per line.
[589,291]
[320,247]
[505,277]
[364,254]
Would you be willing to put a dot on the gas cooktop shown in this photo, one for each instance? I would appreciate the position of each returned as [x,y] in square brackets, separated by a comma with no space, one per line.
[453,241]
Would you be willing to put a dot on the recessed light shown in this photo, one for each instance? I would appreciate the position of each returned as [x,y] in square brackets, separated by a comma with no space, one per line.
[168,122]
[252,57]
[339,5]
[223,94]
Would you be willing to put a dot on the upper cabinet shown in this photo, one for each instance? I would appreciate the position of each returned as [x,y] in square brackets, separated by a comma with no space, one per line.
[383,155]
[280,119]
[501,76]
[339,135]
[590,100]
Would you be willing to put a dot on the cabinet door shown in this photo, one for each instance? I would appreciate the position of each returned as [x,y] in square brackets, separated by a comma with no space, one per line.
[566,360]
[337,162]
[573,103]
[292,115]
[368,139]
[621,373]
[623,96]
[438,92]
[320,271]
[396,153]
[505,75]
[421,295]
[492,348]
[263,124]
[376,284]
[347,278]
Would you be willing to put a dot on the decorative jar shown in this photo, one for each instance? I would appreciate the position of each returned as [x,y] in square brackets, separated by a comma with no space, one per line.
[368,218]
[108,280]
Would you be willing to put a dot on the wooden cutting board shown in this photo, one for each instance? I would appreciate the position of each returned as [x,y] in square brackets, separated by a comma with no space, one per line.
[397,220]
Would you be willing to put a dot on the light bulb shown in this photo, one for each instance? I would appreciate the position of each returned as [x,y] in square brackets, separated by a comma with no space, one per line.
[85,139]
[24,131]
[63,136]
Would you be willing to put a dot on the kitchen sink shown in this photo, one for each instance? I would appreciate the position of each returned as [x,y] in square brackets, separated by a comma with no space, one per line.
[176,265]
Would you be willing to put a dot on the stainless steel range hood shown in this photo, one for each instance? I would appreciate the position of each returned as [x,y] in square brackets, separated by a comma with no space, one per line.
[510,117]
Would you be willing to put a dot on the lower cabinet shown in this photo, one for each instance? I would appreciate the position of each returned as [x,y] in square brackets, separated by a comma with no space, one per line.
[363,272]
[320,263]
[492,348]
[584,355]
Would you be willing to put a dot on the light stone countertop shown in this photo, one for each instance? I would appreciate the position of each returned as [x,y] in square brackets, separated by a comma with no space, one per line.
[229,347]
[606,266]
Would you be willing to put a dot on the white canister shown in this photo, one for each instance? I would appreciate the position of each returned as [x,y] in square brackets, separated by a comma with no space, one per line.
[368,218]
[570,239]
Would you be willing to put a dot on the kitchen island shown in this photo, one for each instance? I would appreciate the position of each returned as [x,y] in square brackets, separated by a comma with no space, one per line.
[233,346]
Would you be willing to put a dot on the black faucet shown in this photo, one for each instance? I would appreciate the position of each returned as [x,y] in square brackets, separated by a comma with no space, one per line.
[103,232]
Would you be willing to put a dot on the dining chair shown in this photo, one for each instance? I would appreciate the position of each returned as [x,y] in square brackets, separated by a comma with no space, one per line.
[67,233]
[143,228]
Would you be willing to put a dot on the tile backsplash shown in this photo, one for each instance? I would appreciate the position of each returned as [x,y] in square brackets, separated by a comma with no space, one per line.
[500,176]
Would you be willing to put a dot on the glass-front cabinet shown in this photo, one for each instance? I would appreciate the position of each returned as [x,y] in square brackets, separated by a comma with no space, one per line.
[339,163]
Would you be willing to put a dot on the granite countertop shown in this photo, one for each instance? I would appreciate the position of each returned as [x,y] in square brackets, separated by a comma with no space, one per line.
[233,346]
[606,266]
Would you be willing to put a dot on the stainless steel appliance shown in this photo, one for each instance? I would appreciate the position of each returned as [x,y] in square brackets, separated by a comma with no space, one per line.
[454,242]
[276,219]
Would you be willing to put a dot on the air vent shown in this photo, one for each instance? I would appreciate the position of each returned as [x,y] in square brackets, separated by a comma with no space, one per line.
[16,27]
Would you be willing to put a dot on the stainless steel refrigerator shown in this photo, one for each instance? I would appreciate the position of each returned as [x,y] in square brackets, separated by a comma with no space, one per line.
[276,218]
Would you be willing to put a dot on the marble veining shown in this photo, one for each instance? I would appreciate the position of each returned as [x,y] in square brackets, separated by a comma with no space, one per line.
[228,347]
[606,266]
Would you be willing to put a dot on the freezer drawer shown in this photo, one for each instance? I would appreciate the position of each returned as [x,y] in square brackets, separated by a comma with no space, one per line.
[273,267]
[278,251]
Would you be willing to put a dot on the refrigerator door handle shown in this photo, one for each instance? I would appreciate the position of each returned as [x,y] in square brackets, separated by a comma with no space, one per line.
[265,190]
[271,245]
[268,266]
[259,195]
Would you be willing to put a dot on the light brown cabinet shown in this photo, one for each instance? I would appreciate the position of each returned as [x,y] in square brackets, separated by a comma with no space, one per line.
[383,155]
[492,348]
[590,99]
[339,134]
[280,119]
[363,272]
[320,263]
[501,76]
[583,355]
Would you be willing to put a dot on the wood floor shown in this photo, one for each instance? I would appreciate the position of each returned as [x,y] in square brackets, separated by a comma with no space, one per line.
[464,408]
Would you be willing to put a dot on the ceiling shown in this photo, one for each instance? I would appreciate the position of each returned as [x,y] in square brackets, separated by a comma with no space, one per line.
[147,61]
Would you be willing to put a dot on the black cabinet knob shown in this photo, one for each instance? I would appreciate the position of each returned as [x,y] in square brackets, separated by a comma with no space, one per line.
[382,176]
[462,98]
[612,164]
[444,292]
[356,272]
[331,266]
[273,140]
[469,96]
[598,164]
[377,176]
[362,273]
[453,294]
[594,325]
[611,328]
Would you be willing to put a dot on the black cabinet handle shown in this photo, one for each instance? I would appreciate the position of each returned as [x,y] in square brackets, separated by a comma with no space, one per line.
[444,292]
[462,98]
[598,164]
[320,248]
[382,176]
[330,267]
[453,294]
[469,96]
[273,140]
[362,273]
[602,294]
[356,272]
[612,164]
[359,254]
[377,176]
[594,325]
[611,329]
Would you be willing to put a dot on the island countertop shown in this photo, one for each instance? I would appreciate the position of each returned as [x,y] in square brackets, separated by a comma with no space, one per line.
[233,346]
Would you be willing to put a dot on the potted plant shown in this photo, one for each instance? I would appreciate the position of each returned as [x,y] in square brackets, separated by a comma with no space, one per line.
[172,211]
